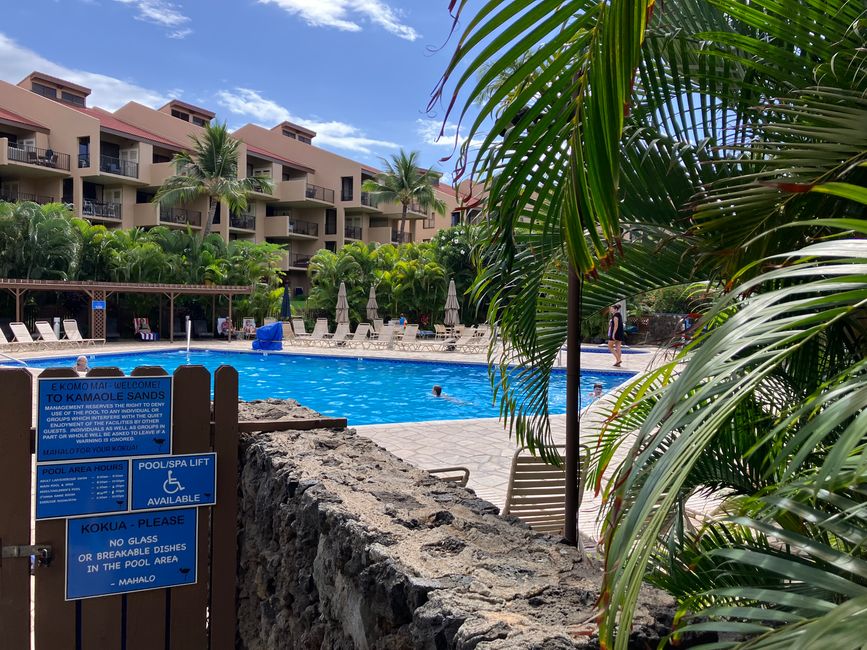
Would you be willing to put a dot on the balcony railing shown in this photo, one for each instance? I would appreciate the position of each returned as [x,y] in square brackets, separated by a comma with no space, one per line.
[112,165]
[298,227]
[352,232]
[14,196]
[243,221]
[368,200]
[298,260]
[319,193]
[40,157]
[397,238]
[181,216]
[415,207]
[101,210]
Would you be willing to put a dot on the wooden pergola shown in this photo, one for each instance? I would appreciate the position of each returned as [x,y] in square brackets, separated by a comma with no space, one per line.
[100,292]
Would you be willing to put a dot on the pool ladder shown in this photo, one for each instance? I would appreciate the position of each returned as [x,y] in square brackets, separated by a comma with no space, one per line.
[15,359]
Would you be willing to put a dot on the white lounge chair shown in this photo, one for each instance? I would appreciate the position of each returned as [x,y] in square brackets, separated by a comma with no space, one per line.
[317,336]
[339,337]
[459,475]
[409,340]
[537,491]
[46,333]
[440,332]
[70,328]
[300,331]
[359,337]
[5,344]
[384,339]
[22,335]
[269,320]
[378,324]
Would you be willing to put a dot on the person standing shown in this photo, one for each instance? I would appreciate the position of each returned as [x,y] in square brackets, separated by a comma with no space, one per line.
[615,335]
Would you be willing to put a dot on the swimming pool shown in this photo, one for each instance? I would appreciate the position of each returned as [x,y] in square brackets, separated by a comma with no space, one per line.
[365,391]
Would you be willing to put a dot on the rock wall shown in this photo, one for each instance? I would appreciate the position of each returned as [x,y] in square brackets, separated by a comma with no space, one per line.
[344,546]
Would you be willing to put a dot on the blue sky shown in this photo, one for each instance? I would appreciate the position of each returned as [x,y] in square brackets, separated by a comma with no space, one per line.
[359,72]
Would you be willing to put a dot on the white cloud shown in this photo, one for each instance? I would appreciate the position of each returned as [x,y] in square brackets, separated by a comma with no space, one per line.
[163,13]
[267,113]
[16,62]
[345,15]
[429,132]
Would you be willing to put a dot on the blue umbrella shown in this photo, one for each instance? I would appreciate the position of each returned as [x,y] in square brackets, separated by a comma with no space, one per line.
[286,307]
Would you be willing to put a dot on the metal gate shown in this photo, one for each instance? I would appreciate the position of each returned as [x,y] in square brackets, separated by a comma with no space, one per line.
[194,617]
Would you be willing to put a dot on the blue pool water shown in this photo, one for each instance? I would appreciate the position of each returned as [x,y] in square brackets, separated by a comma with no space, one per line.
[365,391]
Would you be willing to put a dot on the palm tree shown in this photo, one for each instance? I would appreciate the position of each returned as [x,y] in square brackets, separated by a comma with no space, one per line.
[404,182]
[739,160]
[210,170]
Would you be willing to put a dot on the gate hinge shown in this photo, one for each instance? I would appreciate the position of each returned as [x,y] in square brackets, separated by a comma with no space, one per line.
[40,552]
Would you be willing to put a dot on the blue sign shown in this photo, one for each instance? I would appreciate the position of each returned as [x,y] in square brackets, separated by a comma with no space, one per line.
[97,305]
[174,481]
[118,554]
[72,489]
[103,417]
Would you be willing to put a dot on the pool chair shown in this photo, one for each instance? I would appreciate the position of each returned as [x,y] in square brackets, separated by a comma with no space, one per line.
[298,326]
[46,333]
[5,344]
[359,337]
[471,343]
[317,336]
[249,328]
[341,332]
[457,475]
[409,340]
[537,491]
[22,336]
[269,320]
[70,328]
[142,329]
[378,324]
[200,330]
[383,340]
[440,332]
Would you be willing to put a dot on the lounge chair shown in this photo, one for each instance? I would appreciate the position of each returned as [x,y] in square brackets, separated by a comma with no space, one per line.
[5,344]
[249,328]
[317,336]
[142,329]
[457,475]
[46,333]
[409,340]
[339,336]
[300,331]
[378,324]
[22,335]
[384,339]
[288,334]
[440,332]
[359,338]
[472,343]
[70,328]
[200,330]
[537,491]
[269,320]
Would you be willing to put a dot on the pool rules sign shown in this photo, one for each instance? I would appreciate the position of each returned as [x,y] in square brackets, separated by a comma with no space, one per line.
[105,465]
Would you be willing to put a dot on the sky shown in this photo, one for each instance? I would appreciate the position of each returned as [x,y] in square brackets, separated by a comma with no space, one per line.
[358,72]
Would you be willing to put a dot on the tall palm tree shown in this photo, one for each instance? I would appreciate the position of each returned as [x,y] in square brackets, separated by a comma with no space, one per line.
[404,182]
[740,161]
[210,169]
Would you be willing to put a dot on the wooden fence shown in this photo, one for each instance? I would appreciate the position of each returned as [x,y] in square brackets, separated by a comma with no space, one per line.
[194,617]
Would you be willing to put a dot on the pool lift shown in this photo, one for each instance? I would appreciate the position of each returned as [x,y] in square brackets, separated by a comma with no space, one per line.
[189,335]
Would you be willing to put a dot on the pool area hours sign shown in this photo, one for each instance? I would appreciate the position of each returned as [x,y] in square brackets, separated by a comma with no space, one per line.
[119,554]
[103,417]
[86,488]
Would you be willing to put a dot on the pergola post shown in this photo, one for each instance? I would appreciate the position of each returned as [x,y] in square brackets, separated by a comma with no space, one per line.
[573,404]
[18,293]
[214,313]
[171,317]
[229,334]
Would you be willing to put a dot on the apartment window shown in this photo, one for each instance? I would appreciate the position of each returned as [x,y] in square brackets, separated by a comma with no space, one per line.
[69,98]
[142,196]
[67,190]
[378,222]
[330,221]
[161,158]
[346,188]
[305,139]
[84,152]
[180,115]
[331,246]
[198,121]
[45,91]
[456,218]
[289,134]
[13,139]
[429,222]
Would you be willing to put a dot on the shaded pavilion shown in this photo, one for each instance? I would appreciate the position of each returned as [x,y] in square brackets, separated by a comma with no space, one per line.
[101,291]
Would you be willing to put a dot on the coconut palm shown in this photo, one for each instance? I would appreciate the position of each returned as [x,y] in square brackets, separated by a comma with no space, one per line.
[740,160]
[404,182]
[211,170]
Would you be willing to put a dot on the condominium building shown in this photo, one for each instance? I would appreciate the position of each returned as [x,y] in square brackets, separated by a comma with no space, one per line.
[109,165]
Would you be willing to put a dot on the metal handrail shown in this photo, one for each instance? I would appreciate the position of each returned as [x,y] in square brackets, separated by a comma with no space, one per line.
[101,209]
[181,216]
[368,200]
[13,197]
[40,157]
[299,260]
[397,238]
[353,232]
[299,227]
[319,193]
[112,165]
[243,221]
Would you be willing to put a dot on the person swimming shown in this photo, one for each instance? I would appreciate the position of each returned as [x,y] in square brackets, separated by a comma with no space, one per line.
[81,364]
[597,392]
[437,391]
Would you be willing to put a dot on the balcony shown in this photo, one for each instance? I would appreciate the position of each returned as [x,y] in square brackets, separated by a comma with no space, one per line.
[307,228]
[415,207]
[112,165]
[46,158]
[244,221]
[397,238]
[14,196]
[319,193]
[368,200]
[297,260]
[352,232]
[101,210]
[181,216]
[298,193]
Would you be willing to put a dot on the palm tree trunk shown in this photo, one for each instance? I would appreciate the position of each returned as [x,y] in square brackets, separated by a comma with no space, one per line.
[403,222]
[212,211]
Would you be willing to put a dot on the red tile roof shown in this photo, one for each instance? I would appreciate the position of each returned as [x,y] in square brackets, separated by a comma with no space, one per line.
[9,116]
[264,152]
[109,121]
